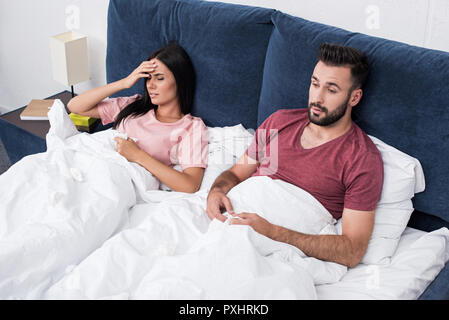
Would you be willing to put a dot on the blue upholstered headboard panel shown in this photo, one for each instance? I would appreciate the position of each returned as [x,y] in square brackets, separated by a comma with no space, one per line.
[252,61]
[226,43]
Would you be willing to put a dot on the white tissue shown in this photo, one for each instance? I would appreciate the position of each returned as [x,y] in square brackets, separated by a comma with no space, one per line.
[76,174]
[54,198]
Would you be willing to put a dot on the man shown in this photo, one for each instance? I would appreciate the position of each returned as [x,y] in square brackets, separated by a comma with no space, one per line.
[321,150]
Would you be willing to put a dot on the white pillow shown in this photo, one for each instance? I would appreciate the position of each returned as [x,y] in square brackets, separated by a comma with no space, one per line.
[226,146]
[403,177]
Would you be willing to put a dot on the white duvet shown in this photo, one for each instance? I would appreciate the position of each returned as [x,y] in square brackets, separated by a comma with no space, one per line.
[235,262]
[81,222]
[57,207]
[171,251]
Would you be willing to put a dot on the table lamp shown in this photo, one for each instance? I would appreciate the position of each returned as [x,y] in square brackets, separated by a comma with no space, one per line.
[69,58]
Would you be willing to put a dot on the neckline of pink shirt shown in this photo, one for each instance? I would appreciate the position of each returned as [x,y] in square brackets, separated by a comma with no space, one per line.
[153,115]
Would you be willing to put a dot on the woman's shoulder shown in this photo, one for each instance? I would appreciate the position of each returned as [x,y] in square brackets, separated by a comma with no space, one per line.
[196,120]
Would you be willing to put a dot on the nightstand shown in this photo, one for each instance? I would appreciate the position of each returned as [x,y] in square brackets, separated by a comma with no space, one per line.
[24,137]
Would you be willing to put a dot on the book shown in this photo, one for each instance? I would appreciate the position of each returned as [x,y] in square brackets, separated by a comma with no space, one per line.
[82,123]
[37,110]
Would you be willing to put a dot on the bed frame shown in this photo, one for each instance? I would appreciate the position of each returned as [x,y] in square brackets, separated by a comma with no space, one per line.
[252,61]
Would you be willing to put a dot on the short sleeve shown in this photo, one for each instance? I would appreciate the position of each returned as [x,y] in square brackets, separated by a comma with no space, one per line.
[258,149]
[364,183]
[193,148]
[109,108]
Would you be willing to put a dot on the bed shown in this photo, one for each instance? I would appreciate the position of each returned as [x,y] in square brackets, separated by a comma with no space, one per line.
[402,107]
[159,244]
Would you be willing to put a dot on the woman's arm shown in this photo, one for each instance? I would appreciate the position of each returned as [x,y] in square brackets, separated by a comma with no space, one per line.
[187,181]
[86,104]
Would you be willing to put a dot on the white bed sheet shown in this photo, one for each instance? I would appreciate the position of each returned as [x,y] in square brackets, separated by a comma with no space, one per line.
[419,258]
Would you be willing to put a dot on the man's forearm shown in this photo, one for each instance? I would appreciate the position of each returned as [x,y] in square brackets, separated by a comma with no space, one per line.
[225,182]
[334,248]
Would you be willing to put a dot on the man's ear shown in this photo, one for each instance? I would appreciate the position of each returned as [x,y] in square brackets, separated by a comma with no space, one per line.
[356,96]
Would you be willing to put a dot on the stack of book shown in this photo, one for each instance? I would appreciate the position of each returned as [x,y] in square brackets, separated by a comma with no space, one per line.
[82,123]
[37,110]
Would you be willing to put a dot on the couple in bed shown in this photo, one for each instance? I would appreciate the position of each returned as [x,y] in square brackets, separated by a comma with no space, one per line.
[319,148]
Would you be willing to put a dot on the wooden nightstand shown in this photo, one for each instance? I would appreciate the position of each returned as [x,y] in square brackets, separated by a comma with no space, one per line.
[24,137]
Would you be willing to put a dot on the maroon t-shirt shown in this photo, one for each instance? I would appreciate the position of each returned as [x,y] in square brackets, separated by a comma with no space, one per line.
[346,172]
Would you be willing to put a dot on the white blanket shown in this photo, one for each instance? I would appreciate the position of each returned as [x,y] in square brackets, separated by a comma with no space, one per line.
[169,252]
[57,207]
[81,222]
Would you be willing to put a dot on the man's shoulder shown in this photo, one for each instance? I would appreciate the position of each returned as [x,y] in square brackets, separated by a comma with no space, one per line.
[364,146]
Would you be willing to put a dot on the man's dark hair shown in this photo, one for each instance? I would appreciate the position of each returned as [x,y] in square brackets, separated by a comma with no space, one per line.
[338,55]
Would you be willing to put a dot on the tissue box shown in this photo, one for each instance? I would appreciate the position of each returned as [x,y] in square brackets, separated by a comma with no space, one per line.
[82,123]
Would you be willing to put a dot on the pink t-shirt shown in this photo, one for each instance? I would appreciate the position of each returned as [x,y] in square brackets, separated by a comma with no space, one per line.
[183,142]
[346,172]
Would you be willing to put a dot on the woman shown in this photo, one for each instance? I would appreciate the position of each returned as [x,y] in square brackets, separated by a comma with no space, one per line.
[165,133]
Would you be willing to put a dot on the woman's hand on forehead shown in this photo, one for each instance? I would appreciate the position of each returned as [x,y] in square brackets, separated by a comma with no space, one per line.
[152,64]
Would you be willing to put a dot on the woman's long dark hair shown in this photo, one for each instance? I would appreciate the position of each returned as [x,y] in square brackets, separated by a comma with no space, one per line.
[178,62]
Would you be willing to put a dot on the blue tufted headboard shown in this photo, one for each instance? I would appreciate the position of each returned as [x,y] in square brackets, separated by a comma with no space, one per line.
[252,61]
[226,43]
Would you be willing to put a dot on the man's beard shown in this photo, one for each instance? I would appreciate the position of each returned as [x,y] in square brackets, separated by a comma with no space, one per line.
[329,118]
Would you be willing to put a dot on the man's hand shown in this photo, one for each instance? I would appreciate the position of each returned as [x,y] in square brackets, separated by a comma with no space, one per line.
[228,179]
[215,201]
[259,224]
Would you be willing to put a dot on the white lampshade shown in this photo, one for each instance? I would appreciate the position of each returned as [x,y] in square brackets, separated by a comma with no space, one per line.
[69,58]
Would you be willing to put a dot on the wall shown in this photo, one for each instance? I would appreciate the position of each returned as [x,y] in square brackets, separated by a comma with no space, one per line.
[424,23]
[25,30]
[26,25]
